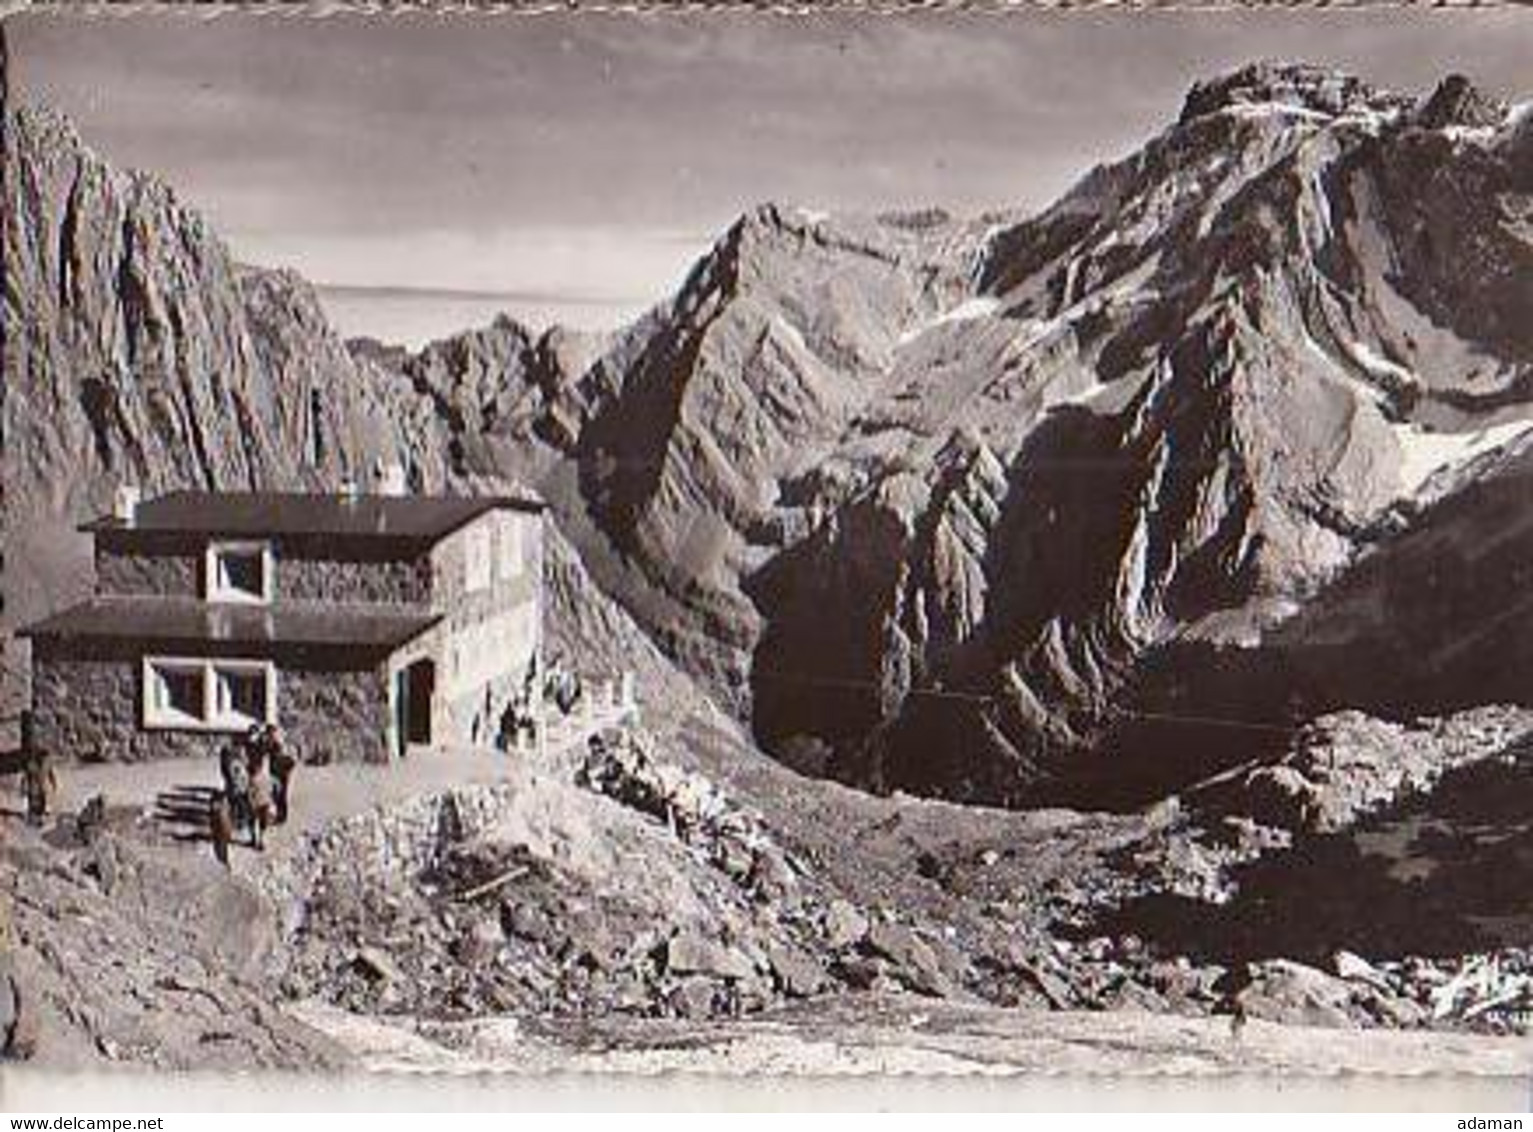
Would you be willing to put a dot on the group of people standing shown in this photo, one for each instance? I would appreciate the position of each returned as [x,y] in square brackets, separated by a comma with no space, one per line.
[257,774]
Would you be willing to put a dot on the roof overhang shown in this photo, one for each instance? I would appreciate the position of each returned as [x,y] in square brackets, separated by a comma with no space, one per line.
[165,622]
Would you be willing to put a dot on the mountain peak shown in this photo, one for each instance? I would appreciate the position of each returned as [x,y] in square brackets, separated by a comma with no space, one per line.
[1295,85]
[1456,102]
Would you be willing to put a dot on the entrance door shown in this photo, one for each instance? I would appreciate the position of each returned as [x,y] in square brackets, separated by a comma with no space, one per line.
[416,686]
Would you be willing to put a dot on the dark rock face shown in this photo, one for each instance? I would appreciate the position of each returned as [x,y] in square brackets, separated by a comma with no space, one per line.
[930,502]
[144,353]
[1174,405]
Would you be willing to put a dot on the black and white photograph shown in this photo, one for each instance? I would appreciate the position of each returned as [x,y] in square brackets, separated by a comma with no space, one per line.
[832,544]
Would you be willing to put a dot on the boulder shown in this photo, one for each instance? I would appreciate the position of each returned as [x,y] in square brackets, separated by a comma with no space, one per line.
[694,998]
[691,954]
[478,943]
[794,972]
[527,921]
[845,925]
[917,963]
[1299,995]
[1357,969]
[771,877]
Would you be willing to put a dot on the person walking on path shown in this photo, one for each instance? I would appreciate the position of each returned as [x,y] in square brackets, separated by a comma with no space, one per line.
[234,763]
[261,809]
[1238,978]
[283,763]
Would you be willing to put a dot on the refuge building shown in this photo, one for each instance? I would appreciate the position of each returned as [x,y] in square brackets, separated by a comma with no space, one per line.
[363,625]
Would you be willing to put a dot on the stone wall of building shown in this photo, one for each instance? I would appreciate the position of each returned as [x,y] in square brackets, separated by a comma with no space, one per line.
[89,707]
[335,716]
[384,582]
[300,576]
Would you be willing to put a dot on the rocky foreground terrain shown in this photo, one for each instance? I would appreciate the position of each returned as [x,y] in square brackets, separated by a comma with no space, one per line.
[606,912]
[1037,617]
[668,898]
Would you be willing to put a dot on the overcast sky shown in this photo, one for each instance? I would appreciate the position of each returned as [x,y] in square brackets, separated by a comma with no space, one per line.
[573,166]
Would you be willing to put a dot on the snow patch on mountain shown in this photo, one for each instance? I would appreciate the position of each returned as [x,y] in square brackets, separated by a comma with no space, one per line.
[1425,453]
[981,306]
[1376,363]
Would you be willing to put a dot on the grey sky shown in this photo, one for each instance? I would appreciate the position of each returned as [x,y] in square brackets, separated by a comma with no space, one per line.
[590,158]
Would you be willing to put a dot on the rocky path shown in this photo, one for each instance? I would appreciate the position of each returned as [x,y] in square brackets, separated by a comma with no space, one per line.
[869,1034]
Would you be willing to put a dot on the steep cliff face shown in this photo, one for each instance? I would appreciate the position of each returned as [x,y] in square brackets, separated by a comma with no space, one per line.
[142,351]
[725,425]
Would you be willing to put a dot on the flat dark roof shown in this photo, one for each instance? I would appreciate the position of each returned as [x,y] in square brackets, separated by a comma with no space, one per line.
[252,514]
[186,621]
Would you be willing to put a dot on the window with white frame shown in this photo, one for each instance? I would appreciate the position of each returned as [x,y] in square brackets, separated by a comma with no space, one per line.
[239,571]
[175,693]
[242,694]
[208,695]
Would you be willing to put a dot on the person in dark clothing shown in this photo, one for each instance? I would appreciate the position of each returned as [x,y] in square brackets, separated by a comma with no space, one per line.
[38,781]
[41,786]
[1231,988]
[505,730]
[229,755]
[256,748]
[234,763]
[283,763]
[91,819]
